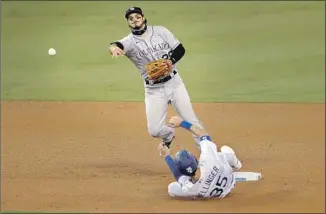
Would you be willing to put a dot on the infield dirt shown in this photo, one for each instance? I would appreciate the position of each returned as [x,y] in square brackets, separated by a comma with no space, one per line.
[98,157]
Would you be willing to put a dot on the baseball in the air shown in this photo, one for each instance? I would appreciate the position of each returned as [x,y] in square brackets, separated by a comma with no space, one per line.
[52,52]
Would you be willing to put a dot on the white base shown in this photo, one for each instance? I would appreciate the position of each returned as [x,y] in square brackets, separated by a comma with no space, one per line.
[247,176]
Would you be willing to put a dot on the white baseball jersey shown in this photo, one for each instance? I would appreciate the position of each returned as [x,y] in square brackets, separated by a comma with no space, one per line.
[216,178]
[156,43]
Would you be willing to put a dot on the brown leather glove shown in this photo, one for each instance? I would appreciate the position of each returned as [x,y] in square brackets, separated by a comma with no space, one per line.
[158,68]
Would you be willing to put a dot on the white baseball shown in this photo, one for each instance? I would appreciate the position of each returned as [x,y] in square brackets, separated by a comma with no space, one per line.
[52,52]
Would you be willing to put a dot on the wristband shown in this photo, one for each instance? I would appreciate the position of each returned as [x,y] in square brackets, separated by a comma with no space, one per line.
[186,125]
[205,137]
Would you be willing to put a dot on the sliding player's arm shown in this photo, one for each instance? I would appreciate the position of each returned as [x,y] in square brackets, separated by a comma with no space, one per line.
[206,144]
[165,153]
[178,122]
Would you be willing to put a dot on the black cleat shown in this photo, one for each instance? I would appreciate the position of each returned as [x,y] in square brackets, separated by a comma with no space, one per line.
[168,144]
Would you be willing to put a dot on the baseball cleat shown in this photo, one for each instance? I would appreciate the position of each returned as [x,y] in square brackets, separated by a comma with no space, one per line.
[238,165]
[227,149]
[168,144]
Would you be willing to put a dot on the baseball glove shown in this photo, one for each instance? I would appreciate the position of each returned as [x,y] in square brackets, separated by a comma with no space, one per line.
[158,68]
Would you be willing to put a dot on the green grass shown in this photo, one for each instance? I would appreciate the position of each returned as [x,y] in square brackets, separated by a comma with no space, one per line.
[236,51]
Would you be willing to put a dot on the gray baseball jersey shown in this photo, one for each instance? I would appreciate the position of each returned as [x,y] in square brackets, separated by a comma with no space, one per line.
[157,43]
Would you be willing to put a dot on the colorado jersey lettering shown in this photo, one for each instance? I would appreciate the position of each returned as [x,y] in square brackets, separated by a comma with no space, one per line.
[158,44]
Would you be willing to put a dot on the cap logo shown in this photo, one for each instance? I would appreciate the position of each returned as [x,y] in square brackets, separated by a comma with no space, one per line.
[132,8]
[189,169]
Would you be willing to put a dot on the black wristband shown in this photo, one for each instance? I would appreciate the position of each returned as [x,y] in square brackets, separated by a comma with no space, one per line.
[118,44]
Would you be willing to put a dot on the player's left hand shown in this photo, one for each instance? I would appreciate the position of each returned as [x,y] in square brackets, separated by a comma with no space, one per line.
[174,121]
[158,68]
[163,150]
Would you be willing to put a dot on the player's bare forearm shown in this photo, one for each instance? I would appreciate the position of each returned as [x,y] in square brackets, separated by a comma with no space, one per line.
[112,46]
[196,130]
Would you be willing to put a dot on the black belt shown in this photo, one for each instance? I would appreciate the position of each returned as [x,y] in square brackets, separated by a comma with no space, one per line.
[165,79]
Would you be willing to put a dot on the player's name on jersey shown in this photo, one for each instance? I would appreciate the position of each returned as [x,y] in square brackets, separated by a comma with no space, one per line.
[209,181]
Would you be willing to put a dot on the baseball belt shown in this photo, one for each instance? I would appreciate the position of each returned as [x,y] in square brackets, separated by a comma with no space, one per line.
[165,79]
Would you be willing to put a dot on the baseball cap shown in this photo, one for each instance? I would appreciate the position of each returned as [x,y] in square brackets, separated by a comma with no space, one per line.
[133,10]
[186,162]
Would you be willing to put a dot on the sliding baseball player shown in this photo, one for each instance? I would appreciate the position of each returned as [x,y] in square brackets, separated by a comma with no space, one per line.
[210,177]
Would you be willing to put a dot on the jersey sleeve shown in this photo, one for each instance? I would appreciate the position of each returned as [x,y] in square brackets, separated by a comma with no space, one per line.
[126,42]
[169,38]
[206,145]
[174,169]
[207,149]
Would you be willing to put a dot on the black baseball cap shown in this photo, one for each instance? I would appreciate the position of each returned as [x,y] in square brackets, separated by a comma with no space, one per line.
[133,10]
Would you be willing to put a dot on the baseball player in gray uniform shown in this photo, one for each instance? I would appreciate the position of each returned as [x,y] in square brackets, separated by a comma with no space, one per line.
[143,45]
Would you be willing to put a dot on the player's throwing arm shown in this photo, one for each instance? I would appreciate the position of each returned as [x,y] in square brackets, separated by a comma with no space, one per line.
[116,51]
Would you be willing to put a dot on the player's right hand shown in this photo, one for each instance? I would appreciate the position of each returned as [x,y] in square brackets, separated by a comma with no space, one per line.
[174,121]
[116,51]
